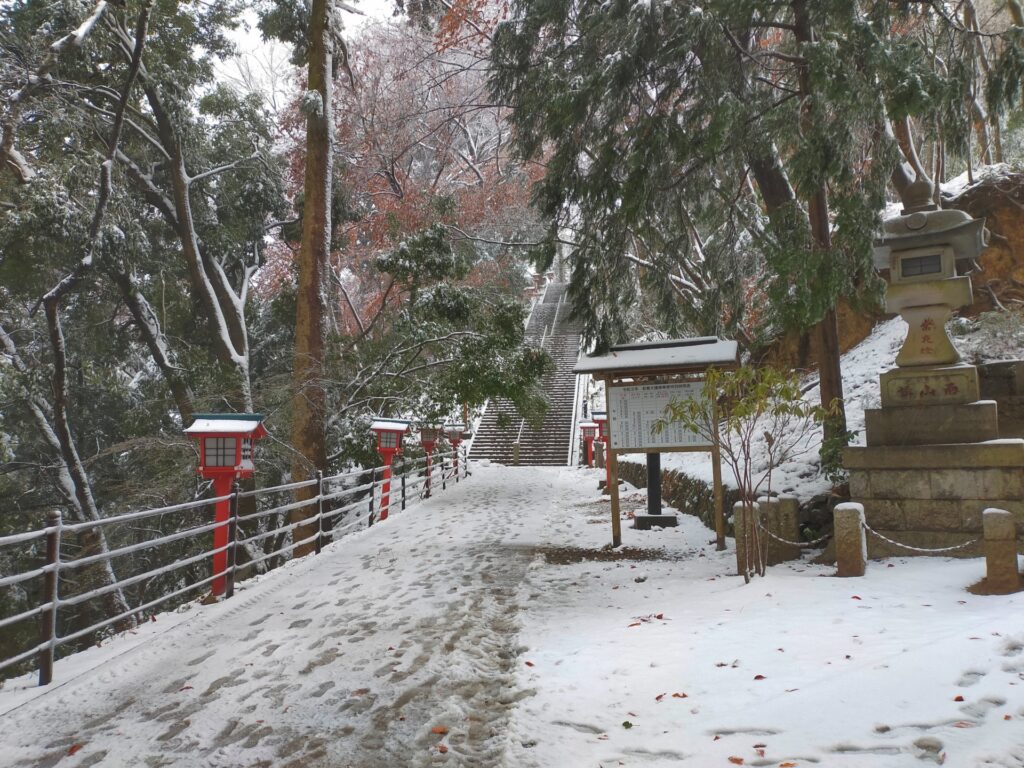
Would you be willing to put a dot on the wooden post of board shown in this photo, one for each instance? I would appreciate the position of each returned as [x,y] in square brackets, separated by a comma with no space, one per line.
[613,481]
[716,470]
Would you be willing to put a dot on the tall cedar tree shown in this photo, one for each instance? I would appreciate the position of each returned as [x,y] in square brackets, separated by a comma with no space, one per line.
[308,427]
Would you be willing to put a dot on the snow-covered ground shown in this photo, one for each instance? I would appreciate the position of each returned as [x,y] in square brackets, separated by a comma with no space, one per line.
[487,628]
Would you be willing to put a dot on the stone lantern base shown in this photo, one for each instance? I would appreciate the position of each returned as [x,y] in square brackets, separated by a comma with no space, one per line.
[933,496]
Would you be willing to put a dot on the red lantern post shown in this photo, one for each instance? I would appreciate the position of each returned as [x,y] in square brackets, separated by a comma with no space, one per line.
[226,449]
[589,431]
[429,435]
[389,442]
[455,433]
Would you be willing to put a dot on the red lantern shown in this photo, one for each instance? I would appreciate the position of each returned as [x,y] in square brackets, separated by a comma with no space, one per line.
[455,433]
[226,449]
[389,442]
[589,432]
[429,435]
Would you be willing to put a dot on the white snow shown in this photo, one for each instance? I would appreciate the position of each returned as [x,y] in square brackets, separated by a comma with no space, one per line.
[453,626]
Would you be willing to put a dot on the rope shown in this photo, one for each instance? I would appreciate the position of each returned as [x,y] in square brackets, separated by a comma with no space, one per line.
[801,544]
[909,548]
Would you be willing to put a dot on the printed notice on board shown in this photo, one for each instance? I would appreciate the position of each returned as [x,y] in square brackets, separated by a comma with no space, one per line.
[634,409]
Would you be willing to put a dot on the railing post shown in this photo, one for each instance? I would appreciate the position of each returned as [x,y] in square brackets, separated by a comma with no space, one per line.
[444,485]
[319,543]
[48,618]
[373,490]
[229,583]
[405,471]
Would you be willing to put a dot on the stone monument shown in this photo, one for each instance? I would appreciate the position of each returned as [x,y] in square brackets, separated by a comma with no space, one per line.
[933,459]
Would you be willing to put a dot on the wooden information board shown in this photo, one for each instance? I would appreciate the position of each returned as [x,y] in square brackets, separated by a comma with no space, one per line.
[633,409]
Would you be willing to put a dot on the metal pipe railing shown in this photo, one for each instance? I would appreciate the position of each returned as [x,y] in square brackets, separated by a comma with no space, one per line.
[336,506]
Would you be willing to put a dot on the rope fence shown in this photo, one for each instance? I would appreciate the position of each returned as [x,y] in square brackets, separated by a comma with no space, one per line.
[126,580]
[920,550]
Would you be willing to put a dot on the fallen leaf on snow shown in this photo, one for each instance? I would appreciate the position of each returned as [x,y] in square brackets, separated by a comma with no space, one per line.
[74,748]
[963,724]
[529,663]
[736,760]
[660,696]
[441,730]
[442,748]
[759,677]
[788,764]
[679,696]
[958,698]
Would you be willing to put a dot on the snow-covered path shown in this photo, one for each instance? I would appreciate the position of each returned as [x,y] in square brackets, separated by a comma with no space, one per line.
[485,629]
[350,658]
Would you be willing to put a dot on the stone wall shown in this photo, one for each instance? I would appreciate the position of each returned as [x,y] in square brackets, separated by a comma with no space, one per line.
[686,494]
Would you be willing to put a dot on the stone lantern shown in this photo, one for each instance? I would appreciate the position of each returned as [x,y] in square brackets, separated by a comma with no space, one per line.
[389,443]
[226,450]
[927,254]
[932,460]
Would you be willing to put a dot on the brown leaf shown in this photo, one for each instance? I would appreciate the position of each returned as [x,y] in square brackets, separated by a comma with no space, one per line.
[759,677]
[679,696]
[855,597]
[760,752]
[74,748]
[634,624]
[958,698]
[1007,717]
[659,615]
[440,730]
[760,746]
[529,663]
[660,696]
[736,760]
[360,691]
[963,724]
[442,749]
[717,737]
[787,765]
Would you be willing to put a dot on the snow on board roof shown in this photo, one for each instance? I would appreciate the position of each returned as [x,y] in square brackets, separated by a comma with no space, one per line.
[226,423]
[660,355]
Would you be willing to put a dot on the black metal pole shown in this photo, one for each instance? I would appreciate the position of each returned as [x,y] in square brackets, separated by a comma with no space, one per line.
[654,483]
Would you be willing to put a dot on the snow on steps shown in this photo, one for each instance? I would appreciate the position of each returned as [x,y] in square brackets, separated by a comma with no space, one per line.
[549,444]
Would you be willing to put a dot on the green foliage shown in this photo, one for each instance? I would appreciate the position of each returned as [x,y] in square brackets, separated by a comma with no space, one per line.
[424,258]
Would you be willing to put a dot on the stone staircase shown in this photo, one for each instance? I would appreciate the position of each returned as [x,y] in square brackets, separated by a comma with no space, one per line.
[549,328]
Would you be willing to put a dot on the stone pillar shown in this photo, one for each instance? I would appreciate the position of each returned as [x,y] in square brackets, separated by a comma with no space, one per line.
[599,454]
[515,453]
[1001,574]
[780,516]
[850,539]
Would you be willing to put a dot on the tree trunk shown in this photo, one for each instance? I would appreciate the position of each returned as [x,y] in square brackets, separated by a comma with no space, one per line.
[308,426]
[825,334]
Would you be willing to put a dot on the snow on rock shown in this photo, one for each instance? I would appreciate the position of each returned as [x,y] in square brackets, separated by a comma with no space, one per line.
[489,628]
[985,173]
